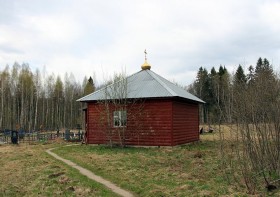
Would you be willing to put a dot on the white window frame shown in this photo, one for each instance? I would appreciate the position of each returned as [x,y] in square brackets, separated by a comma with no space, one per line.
[119,118]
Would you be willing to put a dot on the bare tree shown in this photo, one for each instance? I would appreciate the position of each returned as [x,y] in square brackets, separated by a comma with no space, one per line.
[118,112]
[255,140]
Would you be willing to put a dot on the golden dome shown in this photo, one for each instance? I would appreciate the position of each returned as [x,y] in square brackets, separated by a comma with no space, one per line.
[146,65]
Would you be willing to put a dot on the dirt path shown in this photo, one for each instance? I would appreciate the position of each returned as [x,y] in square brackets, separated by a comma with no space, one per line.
[92,176]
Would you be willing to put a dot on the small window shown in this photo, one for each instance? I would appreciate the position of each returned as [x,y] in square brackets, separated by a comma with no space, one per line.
[120,118]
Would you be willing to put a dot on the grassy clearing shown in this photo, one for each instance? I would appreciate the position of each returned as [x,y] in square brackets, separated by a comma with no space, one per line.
[189,170]
[26,170]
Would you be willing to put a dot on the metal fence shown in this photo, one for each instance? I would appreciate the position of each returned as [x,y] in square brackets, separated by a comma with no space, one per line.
[38,136]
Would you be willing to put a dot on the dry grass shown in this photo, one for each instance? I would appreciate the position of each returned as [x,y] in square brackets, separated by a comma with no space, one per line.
[26,170]
[224,131]
[189,170]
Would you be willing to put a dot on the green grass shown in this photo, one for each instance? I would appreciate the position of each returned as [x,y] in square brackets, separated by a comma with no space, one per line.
[26,170]
[188,170]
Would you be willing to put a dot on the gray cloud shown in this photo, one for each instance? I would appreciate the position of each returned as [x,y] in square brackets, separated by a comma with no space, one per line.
[10,50]
[105,36]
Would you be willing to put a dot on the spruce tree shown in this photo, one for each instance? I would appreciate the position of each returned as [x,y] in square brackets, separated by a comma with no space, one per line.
[259,66]
[239,77]
[90,87]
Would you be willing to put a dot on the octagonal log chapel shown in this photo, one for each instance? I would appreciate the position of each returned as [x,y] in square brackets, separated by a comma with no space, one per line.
[145,108]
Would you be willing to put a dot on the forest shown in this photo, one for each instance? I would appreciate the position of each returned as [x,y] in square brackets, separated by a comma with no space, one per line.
[39,101]
[247,103]
[230,96]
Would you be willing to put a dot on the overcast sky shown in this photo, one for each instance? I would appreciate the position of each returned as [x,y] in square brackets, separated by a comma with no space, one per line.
[107,36]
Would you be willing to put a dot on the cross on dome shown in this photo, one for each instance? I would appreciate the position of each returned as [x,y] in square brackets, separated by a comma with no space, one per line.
[146,65]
